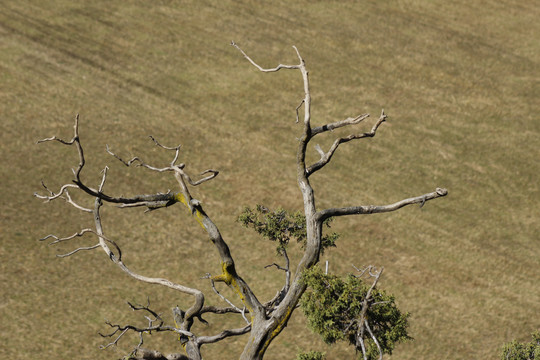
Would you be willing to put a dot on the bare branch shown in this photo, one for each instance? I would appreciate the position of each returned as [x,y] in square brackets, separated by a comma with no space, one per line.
[74,141]
[77,172]
[372,209]
[171,167]
[283,291]
[57,239]
[63,190]
[338,124]
[276,265]
[370,269]
[297,108]
[236,309]
[115,342]
[52,195]
[363,347]
[362,319]
[127,163]
[139,160]
[69,200]
[77,250]
[199,297]
[326,157]
[152,201]
[224,334]
[70,142]
[268,320]
[80,234]
[213,174]
[320,150]
[103,178]
[220,310]
[277,68]
[155,323]
[173,148]
[374,339]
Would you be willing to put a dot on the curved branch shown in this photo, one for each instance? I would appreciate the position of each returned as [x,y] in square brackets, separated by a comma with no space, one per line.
[372,209]
[213,174]
[176,149]
[136,159]
[75,140]
[77,250]
[67,238]
[52,195]
[277,68]
[199,297]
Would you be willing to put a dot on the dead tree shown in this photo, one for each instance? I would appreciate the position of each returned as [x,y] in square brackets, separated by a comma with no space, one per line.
[261,321]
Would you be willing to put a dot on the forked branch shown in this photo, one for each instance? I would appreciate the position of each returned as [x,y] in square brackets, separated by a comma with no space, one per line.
[326,157]
[155,324]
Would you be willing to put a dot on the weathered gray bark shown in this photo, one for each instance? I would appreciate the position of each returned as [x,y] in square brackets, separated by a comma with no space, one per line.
[262,334]
[266,321]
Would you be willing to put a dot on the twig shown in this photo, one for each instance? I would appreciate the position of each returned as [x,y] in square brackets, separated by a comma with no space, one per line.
[77,250]
[242,312]
[277,68]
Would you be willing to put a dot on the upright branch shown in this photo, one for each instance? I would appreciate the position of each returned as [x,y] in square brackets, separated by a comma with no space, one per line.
[315,219]
[362,321]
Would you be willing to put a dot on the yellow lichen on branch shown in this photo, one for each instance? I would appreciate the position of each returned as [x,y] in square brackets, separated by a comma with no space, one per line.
[179,197]
[279,327]
[228,276]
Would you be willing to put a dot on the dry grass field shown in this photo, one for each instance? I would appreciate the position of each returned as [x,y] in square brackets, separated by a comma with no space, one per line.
[459,81]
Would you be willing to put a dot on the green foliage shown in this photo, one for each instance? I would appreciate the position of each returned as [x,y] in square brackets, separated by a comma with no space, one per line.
[281,226]
[334,306]
[312,355]
[522,351]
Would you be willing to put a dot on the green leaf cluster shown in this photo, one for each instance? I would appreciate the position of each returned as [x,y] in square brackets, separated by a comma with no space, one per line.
[281,226]
[522,351]
[312,355]
[333,307]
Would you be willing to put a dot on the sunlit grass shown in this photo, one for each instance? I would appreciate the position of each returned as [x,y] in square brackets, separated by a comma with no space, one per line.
[459,82]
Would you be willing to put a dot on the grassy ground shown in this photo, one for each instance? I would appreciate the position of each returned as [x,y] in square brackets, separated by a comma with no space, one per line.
[458,79]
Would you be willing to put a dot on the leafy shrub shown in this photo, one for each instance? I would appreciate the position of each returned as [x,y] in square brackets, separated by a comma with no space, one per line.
[335,310]
[522,351]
